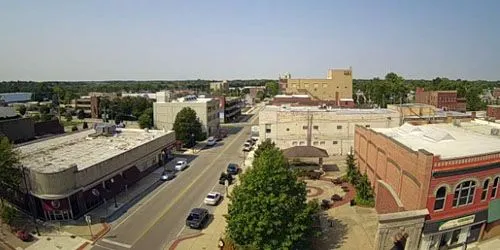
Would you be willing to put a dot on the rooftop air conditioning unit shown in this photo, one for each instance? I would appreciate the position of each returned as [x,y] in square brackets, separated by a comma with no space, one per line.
[495,131]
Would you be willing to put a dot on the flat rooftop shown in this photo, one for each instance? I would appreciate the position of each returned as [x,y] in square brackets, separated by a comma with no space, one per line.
[447,140]
[57,154]
[338,111]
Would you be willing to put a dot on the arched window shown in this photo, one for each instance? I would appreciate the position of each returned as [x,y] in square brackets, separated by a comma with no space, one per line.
[440,198]
[484,194]
[494,188]
[464,193]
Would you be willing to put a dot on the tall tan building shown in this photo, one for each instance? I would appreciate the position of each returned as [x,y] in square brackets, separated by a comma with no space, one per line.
[165,111]
[336,87]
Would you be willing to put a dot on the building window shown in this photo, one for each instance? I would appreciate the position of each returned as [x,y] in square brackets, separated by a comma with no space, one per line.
[494,188]
[304,127]
[268,128]
[485,189]
[367,126]
[294,143]
[316,85]
[315,143]
[321,143]
[306,85]
[335,142]
[339,126]
[302,143]
[440,198]
[315,127]
[325,85]
[464,193]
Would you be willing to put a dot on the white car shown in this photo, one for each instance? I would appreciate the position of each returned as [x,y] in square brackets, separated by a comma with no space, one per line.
[213,198]
[181,165]
[211,141]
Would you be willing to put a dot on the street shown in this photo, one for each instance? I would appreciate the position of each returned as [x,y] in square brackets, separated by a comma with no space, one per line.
[159,218]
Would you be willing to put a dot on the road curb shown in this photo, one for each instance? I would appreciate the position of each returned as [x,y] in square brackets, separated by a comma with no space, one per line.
[179,240]
[106,228]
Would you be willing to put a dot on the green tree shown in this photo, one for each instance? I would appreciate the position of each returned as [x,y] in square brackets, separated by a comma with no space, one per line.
[10,175]
[353,174]
[256,217]
[268,144]
[272,88]
[146,119]
[260,95]
[85,125]
[44,109]
[364,191]
[187,124]
[36,117]
[8,215]
[46,117]
[22,109]
[81,114]
[68,116]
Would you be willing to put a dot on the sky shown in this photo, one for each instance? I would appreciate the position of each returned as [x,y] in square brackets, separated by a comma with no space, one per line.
[251,39]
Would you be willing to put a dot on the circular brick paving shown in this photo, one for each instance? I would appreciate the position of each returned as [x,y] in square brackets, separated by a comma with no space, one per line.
[313,191]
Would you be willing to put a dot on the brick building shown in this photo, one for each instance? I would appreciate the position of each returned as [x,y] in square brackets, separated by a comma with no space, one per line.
[443,99]
[337,86]
[493,112]
[451,171]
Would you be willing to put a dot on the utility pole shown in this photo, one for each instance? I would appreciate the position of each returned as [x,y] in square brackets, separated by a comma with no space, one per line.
[309,127]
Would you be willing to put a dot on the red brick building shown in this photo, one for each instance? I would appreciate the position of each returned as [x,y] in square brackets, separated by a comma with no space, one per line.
[443,99]
[493,111]
[453,172]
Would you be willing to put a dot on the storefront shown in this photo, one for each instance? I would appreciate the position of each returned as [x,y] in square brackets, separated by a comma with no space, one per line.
[453,232]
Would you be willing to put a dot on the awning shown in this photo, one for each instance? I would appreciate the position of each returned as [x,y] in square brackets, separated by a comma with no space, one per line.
[304,152]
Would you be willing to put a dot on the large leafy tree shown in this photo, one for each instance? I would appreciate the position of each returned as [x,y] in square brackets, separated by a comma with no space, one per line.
[272,88]
[268,210]
[146,118]
[10,175]
[186,125]
[264,146]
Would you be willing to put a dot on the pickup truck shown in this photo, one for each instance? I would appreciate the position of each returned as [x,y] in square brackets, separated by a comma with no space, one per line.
[197,217]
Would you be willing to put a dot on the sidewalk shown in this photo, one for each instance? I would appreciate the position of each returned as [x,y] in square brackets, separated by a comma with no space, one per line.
[209,237]
[76,234]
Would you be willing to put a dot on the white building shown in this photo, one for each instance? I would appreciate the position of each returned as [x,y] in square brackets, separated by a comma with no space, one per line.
[329,129]
[165,111]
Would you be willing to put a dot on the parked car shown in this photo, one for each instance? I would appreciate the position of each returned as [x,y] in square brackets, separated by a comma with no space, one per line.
[213,198]
[181,164]
[247,147]
[251,141]
[211,141]
[167,175]
[225,177]
[233,169]
[197,217]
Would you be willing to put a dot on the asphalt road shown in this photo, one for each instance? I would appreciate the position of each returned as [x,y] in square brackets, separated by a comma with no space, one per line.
[159,218]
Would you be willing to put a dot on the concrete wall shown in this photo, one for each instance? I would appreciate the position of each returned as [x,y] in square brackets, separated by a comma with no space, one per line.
[332,132]
[406,171]
[208,112]
[70,179]
[18,130]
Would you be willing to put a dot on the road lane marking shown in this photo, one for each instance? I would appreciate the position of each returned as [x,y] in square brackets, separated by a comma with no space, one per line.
[142,203]
[181,194]
[201,204]
[101,246]
[116,243]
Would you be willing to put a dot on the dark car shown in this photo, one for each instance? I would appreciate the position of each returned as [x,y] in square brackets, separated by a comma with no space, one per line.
[225,177]
[232,169]
[167,175]
[197,217]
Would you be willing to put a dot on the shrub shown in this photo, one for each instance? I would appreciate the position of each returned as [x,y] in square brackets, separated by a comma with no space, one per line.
[74,128]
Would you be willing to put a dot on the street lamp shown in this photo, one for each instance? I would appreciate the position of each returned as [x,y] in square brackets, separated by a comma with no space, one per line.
[114,195]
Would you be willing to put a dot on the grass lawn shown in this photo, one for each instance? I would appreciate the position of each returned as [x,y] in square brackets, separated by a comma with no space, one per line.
[72,123]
